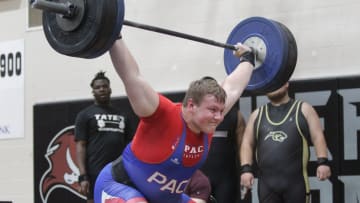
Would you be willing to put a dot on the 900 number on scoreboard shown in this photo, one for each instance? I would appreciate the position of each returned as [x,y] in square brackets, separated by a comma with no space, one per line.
[10,64]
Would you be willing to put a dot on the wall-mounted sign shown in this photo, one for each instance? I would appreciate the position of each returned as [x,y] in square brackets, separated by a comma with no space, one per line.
[12,89]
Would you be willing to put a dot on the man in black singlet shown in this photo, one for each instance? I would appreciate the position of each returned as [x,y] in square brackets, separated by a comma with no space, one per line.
[280,131]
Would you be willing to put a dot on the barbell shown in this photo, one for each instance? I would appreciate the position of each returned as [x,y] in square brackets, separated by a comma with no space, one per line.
[88,28]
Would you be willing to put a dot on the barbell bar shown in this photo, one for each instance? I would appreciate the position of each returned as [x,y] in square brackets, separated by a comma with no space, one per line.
[178,34]
[68,10]
[87,29]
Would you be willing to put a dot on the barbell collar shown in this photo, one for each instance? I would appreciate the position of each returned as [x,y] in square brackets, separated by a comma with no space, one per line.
[66,9]
[178,34]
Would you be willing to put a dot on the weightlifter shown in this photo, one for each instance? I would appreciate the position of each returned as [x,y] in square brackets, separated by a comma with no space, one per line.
[172,139]
[280,131]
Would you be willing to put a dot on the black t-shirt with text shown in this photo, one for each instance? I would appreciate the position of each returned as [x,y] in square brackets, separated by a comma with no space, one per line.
[104,128]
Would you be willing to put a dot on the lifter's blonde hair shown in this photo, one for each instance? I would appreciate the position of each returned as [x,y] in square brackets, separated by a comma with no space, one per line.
[199,88]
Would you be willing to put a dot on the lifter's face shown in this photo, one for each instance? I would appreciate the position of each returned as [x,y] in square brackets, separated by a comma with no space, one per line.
[101,91]
[207,115]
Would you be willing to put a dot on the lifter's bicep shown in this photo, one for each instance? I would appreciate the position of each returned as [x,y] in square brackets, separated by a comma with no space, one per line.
[143,99]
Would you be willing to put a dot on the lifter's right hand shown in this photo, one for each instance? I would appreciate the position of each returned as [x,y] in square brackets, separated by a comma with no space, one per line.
[84,187]
[241,49]
[247,179]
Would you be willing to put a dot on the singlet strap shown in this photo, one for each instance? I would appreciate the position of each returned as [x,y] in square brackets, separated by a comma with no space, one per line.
[259,117]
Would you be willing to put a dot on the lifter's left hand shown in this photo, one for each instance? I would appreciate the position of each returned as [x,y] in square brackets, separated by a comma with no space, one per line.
[323,172]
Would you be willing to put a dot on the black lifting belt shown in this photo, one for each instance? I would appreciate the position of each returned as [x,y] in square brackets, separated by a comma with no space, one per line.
[119,173]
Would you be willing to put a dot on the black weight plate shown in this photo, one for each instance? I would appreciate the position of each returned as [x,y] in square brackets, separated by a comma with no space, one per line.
[110,29]
[75,42]
[285,72]
[289,66]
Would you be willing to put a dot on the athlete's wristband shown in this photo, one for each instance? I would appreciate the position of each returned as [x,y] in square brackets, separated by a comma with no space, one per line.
[248,56]
[323,161]
[246,168]
[83,177]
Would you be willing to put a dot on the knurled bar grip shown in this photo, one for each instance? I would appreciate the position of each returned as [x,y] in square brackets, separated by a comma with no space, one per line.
[178,34]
